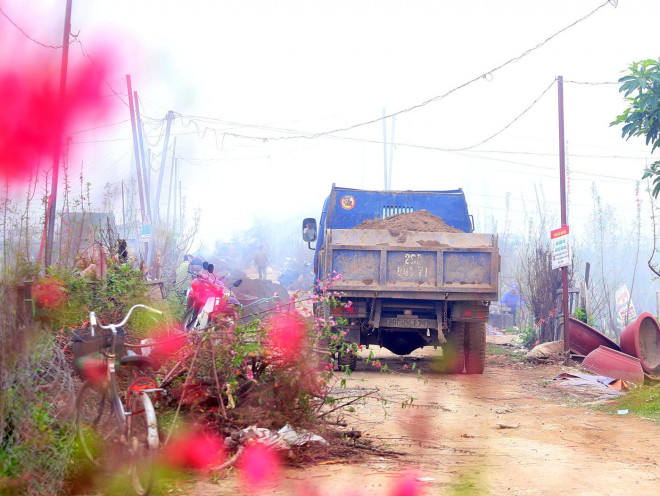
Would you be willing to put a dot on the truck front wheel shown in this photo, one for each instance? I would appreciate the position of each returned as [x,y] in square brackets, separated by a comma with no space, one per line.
[475,348]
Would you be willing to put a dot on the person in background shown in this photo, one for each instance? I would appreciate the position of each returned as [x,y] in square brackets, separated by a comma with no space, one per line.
[194,265]
[261,262]
[512,299]
[182,277]
[309,233]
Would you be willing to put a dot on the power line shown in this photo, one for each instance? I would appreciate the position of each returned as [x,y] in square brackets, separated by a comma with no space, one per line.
[100,127]
[508,125]
[485,75]
[45,45]
[85,54]
[592,83]
[545,167]
[574,155]
[224,132]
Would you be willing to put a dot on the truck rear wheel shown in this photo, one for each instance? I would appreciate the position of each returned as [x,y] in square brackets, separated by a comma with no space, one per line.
[475,348]
[349,359]
[453,352]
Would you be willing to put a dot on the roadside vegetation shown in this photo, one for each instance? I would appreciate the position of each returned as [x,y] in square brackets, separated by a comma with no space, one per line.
[642,401]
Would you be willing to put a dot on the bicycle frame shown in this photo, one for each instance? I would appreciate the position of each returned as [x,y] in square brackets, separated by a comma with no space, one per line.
[124,426]
[109,358]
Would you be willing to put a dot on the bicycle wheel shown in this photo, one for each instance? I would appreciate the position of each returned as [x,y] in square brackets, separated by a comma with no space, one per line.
[142,442]
[95,422]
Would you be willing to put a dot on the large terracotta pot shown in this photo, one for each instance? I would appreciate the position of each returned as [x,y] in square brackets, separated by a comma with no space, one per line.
[584,339]
[641,339]
[610,363]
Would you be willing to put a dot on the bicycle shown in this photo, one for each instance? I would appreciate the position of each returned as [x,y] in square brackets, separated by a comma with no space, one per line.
[106,430]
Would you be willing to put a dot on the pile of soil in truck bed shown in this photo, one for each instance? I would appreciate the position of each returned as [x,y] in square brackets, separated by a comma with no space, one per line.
[419,220]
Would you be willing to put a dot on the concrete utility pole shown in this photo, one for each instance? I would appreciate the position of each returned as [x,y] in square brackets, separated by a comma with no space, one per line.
[161,173]
[59,126]
[384,150]
[136,148]
[123,211]
[389,167]
[562,194]
[145,165]
[180,208]
[169,195]
[387,164]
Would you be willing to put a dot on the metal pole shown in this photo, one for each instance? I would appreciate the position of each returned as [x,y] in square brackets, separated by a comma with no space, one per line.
[176,179]
[147,191]
[137,153]
[180,210]
[59,126]
[123,211]
[147,166]
[169,195]
[562,194]
[384,150]
[136,148]
[156,209]
[389,167]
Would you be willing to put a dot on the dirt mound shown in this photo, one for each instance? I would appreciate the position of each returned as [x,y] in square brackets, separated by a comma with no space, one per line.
[251,293]
[419,220]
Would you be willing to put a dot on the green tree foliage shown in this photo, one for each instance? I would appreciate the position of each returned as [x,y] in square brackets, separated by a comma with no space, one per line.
[641,88]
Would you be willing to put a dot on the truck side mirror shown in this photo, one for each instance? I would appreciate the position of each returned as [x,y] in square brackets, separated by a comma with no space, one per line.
[309,230]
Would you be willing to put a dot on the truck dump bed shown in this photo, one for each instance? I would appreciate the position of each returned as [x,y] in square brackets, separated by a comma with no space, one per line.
[413,265]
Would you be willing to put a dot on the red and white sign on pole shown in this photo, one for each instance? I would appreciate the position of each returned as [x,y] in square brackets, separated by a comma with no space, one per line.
[561,253]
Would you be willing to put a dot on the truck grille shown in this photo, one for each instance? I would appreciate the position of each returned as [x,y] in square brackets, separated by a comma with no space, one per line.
[389,210]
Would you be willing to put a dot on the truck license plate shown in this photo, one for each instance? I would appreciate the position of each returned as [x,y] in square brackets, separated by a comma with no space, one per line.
[409,323]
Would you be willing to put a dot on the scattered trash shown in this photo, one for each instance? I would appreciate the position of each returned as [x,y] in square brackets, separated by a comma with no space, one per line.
[146,350]
[493,331]
[622,412]
[425,479]
[598,381]
[299,437]
[546,350]
[286,437]
[507,426]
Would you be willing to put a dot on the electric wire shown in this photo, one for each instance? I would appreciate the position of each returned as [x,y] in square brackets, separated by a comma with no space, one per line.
[45,45]
[485,75]
[511,123]
[100,127]
[545,167]
[592,83]
[89,57]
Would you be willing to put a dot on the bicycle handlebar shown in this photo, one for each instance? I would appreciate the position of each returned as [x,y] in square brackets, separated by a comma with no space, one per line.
[94,322]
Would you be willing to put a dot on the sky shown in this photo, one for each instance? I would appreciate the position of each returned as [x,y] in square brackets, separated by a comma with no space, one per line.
[251,83]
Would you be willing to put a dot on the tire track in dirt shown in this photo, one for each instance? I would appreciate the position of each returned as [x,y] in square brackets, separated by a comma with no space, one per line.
[450,434]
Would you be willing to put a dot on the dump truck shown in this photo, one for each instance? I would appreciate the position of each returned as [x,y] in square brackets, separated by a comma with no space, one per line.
[408,288]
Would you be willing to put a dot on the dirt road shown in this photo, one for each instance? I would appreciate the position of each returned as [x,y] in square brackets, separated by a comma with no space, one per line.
[452,435]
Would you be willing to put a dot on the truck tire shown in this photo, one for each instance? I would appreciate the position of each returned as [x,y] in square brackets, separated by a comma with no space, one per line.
[453,352]
[475,348]
[349,358]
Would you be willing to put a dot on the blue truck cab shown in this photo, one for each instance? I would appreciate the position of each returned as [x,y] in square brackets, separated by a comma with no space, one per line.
[408,289]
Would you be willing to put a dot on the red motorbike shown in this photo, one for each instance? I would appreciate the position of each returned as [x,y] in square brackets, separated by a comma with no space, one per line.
[208,299]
